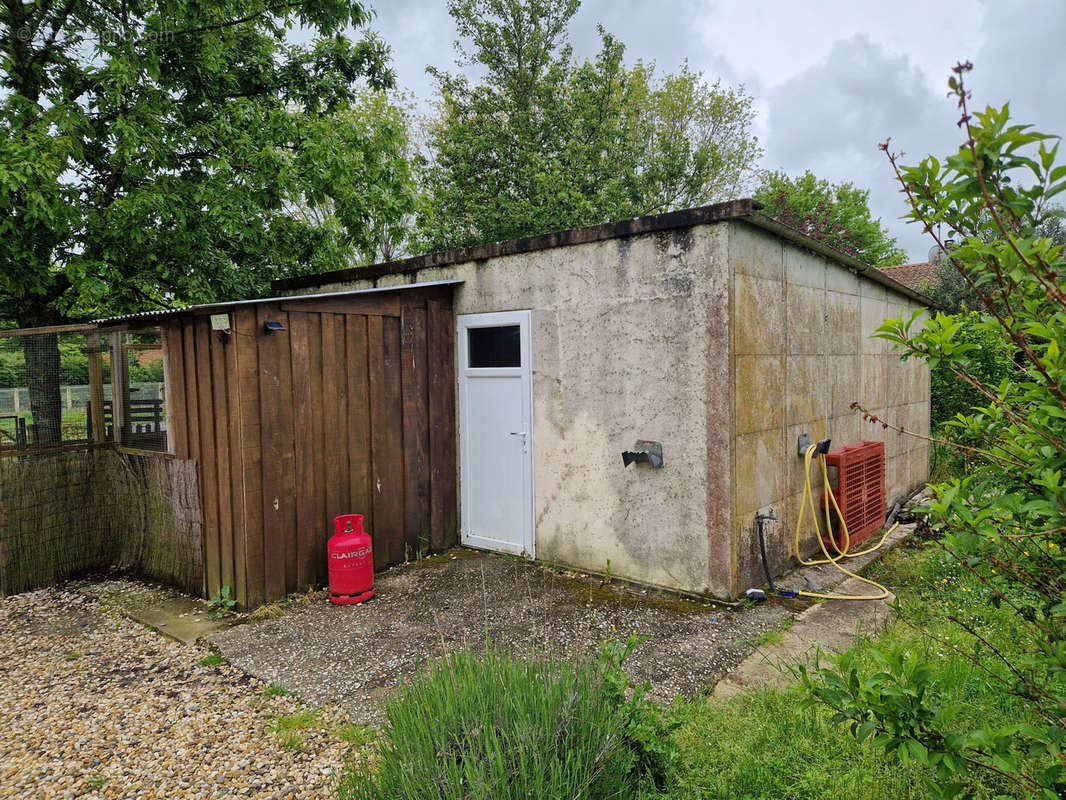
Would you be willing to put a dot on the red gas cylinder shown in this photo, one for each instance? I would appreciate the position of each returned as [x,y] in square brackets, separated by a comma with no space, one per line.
[351,561]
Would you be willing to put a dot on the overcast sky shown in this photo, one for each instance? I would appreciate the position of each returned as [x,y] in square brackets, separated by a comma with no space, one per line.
[830,78]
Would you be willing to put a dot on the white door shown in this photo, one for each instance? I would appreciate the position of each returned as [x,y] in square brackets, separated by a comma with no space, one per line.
[496,431]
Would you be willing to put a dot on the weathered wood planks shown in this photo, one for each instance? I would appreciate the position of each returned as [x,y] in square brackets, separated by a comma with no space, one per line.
[350,408]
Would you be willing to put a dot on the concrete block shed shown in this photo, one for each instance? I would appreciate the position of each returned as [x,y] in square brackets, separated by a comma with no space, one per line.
[715,332]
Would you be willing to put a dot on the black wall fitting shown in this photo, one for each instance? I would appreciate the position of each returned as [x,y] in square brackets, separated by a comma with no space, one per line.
[644,452]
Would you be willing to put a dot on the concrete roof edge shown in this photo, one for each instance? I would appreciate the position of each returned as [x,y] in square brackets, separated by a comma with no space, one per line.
[170,312]
[686,218]
[852,263]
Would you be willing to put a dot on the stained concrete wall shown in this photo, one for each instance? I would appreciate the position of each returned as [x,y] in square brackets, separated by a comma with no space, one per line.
[803,352]
[629,342]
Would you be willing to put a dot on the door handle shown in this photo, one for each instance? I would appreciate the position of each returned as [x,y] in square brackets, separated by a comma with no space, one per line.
[518,433]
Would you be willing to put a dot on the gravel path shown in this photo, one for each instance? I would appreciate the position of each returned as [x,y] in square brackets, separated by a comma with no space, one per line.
[96,706]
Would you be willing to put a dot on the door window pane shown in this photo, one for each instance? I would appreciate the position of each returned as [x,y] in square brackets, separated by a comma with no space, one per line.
[495,347]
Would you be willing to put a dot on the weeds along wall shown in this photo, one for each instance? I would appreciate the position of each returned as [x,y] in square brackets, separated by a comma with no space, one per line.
[69,512]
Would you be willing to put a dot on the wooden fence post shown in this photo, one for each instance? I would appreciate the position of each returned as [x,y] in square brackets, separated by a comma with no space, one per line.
[120,388]
[96,388]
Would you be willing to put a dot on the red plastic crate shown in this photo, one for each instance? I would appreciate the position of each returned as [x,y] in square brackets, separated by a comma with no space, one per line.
[859,490]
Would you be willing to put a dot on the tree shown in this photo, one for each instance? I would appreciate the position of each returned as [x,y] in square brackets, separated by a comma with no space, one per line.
[990,360]
[387,192]
[151,151]
[950,291]
[837,214]
[543,143]
[1005,522]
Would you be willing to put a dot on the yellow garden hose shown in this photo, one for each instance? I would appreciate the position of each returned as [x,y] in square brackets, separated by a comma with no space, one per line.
[842,552]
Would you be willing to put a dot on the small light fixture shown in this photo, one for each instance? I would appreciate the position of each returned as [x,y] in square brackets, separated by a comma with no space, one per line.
[273,327]
[221,325]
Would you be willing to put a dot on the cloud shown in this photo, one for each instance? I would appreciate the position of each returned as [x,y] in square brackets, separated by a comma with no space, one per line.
[1023,62]
[831,117]
[665,33]
[420,34]
[830,78]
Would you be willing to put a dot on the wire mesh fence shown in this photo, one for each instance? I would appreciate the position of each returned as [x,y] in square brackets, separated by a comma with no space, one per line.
[69,505]
[70,387]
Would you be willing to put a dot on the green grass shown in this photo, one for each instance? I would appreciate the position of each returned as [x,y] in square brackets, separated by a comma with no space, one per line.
[355,735]
[292,729]
[772,637]
[310,718]
[492,724]
[212,660]
[72,656]
[72,423]
[768,744]
[276,690]
[765,745]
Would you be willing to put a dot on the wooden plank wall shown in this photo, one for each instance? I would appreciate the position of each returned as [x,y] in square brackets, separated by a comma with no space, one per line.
[350,409]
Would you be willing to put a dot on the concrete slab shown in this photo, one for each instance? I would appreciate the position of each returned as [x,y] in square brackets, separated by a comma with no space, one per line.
[175,615]
[355,656]
[767,666]
[854,617]
[828,576]
[179,618]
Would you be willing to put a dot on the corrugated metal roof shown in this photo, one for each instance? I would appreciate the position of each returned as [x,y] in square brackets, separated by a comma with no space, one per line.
[170,312]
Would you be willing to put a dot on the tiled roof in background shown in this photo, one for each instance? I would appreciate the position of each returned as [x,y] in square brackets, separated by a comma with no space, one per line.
[912,275]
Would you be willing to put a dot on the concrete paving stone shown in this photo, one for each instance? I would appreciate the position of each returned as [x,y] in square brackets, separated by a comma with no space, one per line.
[827,626]
[726,688]
[767,667]
[175,615]
[853,617]
[179,618]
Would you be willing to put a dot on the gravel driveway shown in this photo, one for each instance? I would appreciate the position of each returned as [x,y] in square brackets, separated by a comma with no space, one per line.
[100,707]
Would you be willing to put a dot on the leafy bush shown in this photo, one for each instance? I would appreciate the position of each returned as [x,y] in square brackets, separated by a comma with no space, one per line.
[12,370]
[1005,522]
[989,361]
[151,372]
[493,725]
